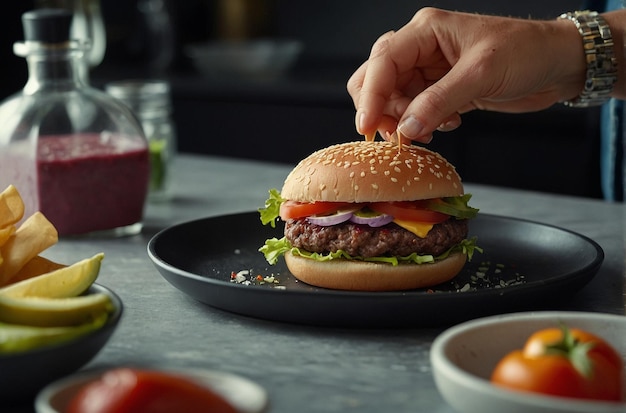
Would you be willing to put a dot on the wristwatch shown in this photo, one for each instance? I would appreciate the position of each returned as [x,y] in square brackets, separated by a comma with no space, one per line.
[600,56]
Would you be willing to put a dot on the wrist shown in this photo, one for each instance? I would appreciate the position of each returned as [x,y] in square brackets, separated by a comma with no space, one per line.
[570,65]
[599,56]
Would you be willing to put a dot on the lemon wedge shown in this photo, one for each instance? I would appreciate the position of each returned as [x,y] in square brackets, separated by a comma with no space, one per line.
[54,312]
[18,338]
[64,282]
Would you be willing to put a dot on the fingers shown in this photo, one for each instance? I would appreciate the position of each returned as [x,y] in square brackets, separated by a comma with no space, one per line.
[401,66]
[393,137]
[372,85]
[450,124]
[438,106]
[387,125]
[421,78]
[355,82]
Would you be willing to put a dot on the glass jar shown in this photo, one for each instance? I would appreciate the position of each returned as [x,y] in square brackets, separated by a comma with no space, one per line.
[73,152]
[150,101]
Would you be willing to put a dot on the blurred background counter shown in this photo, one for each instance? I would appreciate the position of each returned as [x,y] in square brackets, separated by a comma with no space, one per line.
[282,116]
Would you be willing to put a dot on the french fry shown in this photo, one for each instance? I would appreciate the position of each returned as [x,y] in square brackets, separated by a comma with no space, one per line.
[33,236]
[5,234]
[11,207]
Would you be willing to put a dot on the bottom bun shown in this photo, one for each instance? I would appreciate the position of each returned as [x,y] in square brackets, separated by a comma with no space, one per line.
[370,276]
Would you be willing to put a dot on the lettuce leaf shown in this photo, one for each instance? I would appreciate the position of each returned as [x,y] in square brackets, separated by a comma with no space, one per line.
[270,212]
[456,206]
[274,248]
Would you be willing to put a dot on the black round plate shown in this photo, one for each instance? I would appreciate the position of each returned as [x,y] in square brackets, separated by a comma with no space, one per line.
[524,263]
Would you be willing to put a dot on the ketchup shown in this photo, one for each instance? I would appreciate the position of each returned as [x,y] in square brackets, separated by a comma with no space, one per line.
[126,390]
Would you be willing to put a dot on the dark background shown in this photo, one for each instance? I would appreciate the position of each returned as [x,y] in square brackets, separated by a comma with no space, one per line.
[556,150]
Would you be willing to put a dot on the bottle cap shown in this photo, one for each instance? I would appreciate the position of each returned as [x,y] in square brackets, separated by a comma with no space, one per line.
[47,25]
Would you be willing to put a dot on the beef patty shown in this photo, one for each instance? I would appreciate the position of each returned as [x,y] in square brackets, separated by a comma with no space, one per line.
[365,241]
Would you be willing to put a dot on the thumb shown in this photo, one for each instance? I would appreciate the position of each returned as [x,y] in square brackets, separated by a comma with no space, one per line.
[440,103]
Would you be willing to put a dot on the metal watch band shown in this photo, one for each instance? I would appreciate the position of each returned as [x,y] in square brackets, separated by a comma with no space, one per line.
[600,56]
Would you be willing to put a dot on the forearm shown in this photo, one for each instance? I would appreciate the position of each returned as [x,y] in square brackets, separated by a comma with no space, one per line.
[443,64]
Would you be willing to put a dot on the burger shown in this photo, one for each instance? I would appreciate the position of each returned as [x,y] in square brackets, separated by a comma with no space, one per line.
[371,216]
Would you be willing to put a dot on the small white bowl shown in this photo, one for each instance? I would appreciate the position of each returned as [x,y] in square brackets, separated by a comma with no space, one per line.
[245,395]
[259,59]
[464,356]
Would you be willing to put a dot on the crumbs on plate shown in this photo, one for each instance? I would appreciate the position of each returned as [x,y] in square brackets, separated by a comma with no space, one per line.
[490,275]
[485,275]
[247,277]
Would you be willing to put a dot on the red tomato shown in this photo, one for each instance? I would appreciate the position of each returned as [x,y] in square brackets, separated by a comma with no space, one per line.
[293,209]
[409,211]
[127,390]
[537,343]
[568,363]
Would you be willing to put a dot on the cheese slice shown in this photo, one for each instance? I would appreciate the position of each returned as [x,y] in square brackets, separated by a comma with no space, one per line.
[420,229]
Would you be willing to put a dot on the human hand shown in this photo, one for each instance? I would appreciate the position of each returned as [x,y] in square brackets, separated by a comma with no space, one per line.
[443,64]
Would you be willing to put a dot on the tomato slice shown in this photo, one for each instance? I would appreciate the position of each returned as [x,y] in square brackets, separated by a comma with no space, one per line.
[415,211]
[294,210]
[409,211]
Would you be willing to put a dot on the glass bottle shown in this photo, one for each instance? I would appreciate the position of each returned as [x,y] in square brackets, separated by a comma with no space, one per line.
[150,101]
[87,24]
[73,152]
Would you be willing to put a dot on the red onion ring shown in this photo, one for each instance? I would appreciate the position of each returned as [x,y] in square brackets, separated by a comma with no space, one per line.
[348,214]
[334,219]
[375,221]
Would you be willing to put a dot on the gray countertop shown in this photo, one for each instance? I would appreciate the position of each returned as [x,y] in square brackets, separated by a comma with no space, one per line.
[305,369]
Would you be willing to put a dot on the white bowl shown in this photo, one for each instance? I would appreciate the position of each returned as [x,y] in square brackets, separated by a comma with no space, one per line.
[260,59]
[464,356]
[245,395]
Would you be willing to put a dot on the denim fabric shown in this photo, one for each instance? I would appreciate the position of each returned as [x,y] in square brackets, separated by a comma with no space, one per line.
[612,145]
[612,150]
[612,138]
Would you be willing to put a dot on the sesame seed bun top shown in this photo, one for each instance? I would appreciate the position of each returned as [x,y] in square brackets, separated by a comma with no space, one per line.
[363,171]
